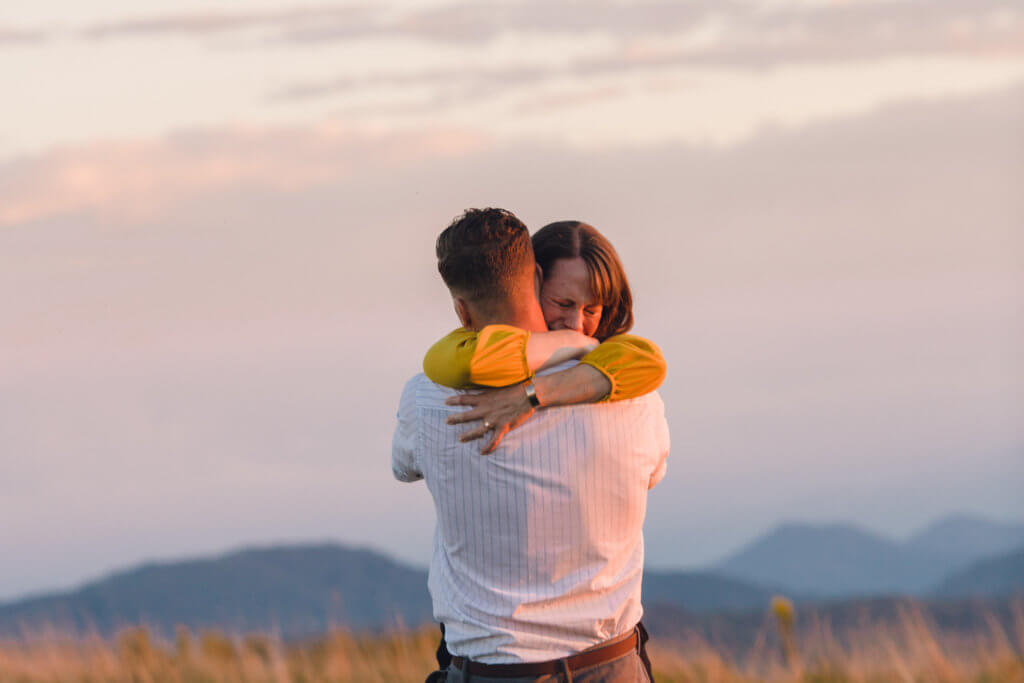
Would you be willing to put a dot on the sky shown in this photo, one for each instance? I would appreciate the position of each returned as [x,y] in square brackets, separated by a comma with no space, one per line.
[217,272]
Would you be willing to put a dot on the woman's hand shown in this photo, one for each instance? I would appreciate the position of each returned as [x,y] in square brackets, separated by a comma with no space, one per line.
[501,411]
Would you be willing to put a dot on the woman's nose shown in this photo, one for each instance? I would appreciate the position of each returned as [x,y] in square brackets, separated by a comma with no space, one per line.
[573,319]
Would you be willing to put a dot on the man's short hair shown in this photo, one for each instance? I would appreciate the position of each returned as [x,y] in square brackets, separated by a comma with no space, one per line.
[485,255]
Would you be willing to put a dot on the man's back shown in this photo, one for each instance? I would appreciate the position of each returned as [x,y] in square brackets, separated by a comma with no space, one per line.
[538,551]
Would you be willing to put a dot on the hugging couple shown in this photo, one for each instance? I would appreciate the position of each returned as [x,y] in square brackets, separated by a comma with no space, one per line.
[538,550]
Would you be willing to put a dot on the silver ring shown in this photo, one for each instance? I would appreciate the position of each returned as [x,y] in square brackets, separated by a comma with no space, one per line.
[488,426]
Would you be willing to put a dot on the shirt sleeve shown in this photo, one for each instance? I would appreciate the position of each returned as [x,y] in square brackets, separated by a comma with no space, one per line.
[663,445]
[404,444]
[635,366]
[494,357]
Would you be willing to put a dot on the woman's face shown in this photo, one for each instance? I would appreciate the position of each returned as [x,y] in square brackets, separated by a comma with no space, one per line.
[566,299]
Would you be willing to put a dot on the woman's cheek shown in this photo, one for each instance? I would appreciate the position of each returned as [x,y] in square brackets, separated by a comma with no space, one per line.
[551,316]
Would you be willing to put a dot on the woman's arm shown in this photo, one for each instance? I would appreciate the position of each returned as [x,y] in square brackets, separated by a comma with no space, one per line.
[634,366]
[500,355]
[624,366]
[548,349]
[501,410]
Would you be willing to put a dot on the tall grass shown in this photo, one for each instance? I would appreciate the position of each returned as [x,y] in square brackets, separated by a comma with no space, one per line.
[911,650]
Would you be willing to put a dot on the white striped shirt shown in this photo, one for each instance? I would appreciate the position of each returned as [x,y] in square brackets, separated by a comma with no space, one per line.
[538,549]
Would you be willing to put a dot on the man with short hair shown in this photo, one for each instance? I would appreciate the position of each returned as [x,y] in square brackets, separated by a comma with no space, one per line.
[538,550]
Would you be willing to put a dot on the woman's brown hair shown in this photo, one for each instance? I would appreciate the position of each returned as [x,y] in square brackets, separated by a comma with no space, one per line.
[573,239]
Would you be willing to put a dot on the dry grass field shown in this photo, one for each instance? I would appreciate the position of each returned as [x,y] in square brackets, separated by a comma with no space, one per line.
[908,651]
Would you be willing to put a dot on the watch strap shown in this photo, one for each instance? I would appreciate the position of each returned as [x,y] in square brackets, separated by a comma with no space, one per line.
[531,394]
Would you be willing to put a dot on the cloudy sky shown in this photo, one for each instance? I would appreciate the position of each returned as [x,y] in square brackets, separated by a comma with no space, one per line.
[216,272]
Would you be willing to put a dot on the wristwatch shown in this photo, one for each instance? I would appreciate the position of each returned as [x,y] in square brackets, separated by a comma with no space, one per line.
[531,394]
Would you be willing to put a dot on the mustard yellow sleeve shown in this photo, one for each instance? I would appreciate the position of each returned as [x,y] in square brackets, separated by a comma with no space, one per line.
[494,357]
[635,366]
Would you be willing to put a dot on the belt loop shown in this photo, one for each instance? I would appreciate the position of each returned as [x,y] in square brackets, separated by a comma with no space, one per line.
[566,670]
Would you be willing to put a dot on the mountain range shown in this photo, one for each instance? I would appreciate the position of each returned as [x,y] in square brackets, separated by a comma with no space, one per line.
[296,591]
[303,590]
[292,590]
[992,577]
[842,560]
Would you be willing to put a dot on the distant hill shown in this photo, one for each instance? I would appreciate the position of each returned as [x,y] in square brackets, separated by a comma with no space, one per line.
[993,577]
[842,560]
[298,590]
[834,560]
[292,590]
[966,536]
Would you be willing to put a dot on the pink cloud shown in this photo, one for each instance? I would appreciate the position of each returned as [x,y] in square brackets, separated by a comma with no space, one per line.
[130,180]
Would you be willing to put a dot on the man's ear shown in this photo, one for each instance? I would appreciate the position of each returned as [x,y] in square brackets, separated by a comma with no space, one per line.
[538,280]
[462,310]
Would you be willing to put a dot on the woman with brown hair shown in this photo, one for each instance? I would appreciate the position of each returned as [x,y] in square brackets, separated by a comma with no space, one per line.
[588,307]
[566,249]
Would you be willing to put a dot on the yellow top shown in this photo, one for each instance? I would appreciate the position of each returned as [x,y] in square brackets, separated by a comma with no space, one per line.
[496,357]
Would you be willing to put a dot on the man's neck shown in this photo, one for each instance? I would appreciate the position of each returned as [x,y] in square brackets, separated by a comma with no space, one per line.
[524,314]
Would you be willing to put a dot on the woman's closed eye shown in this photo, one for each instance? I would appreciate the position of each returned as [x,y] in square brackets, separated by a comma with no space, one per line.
[589,310]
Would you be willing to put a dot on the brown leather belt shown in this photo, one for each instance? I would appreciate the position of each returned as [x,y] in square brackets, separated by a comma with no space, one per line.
[581,660]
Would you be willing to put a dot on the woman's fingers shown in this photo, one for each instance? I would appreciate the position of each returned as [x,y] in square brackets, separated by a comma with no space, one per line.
[499,434]
[475,433]
[464,416]
[463,400]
